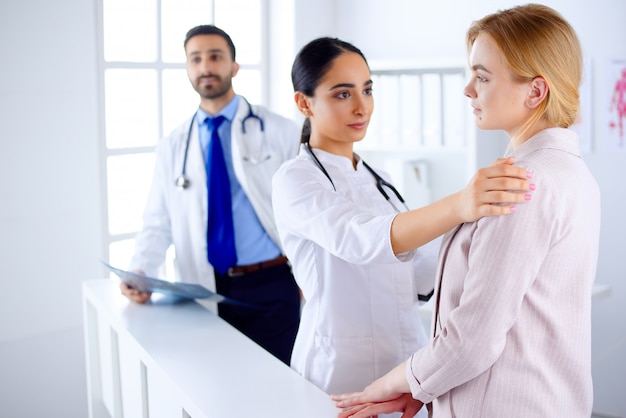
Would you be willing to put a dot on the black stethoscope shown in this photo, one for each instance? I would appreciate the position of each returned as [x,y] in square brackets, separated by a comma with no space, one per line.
[182,181]
[380,182]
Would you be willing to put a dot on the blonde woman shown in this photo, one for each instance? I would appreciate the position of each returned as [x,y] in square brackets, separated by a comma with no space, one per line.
[512,319]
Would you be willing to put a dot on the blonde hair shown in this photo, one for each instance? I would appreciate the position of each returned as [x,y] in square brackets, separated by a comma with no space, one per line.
[536,41]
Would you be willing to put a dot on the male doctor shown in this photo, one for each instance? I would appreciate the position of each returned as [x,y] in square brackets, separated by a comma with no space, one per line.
[254,143]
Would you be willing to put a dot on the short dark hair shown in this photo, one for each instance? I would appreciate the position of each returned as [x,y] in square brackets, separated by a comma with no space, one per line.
[210,30]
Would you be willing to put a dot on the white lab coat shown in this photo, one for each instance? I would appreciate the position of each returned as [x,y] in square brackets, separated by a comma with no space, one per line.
[360,318]
[179,217]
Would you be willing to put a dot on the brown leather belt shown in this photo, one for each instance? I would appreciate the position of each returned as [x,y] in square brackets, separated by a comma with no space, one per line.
[251,268]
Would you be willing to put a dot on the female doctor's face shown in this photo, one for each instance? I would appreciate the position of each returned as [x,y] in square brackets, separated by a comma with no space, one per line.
[342,104]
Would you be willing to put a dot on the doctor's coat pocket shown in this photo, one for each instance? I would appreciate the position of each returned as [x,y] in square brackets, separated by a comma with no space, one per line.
[261,163]
[342,364]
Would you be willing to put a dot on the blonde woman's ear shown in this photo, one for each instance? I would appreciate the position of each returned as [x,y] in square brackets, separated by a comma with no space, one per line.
[538,92]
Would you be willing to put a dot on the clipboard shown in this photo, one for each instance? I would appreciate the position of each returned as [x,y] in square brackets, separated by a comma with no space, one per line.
[183,290]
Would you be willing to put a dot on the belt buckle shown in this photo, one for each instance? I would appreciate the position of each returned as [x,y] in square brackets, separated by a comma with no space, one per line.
[232,273]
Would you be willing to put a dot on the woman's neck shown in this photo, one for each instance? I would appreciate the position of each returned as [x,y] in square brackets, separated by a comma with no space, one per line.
[519,137]
[342,149]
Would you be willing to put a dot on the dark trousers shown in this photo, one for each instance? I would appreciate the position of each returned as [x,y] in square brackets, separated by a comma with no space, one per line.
[270,312]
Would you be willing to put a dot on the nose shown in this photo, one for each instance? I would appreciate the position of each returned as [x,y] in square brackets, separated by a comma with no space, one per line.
[469,91]
[363,104]
[205,65]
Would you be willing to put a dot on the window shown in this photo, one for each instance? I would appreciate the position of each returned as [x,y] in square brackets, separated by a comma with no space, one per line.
[417,108]
[145,92]
[419,131]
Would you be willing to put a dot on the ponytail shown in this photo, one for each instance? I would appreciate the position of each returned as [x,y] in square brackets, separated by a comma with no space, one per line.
[305,136]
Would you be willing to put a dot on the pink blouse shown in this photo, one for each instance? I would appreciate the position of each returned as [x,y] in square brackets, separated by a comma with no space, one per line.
[512,320]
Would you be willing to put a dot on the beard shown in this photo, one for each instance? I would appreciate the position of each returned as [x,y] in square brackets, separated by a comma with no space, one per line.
[215,90]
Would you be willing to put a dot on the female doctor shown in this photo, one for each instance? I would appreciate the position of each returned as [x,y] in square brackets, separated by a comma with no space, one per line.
[360,259]
[255,142]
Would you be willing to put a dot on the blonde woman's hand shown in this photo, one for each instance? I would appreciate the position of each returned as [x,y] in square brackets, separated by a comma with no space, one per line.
[404,403]
[390,393]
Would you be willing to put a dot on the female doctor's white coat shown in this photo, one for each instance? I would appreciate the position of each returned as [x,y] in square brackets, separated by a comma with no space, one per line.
[179,217]
[360,318]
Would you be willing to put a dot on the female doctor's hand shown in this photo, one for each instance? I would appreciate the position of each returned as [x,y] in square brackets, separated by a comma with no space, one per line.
[134,294]
[494,190]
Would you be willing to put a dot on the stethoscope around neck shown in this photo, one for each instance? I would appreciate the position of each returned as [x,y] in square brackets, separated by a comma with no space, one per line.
[182,181]
[380,182]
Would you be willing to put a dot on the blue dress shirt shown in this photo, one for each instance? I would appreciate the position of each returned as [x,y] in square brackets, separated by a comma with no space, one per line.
[252,242]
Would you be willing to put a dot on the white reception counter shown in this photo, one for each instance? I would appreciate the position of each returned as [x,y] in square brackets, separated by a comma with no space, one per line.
[181,360]
[167,360]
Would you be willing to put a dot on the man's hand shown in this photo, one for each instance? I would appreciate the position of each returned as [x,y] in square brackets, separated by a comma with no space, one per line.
[134,294]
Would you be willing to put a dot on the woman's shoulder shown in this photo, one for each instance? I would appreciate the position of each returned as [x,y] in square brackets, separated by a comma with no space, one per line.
[298,166]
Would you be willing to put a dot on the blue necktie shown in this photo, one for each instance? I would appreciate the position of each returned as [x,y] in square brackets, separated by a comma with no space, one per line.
[220,232]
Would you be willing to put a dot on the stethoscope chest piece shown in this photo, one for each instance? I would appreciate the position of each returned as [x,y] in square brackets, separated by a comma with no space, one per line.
[182,182]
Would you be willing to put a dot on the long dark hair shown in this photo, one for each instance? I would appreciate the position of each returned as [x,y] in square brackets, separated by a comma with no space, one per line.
[311,65]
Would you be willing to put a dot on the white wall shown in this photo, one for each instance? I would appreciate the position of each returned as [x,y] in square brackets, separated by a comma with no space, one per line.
[408,30]
[50,210]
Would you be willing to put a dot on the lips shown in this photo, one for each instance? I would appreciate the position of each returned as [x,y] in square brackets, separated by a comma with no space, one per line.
[208,79]
[359,125]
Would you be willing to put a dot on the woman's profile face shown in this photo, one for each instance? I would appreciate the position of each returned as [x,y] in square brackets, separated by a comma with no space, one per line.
[342,104]
[497,97]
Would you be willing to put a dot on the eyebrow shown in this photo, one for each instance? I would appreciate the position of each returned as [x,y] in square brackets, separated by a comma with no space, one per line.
[350,85]
[480,67]
[210,51]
